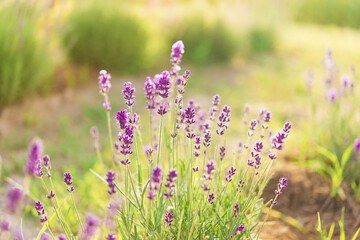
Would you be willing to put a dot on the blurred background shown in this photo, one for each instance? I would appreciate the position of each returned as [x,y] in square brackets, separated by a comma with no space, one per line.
[256,52]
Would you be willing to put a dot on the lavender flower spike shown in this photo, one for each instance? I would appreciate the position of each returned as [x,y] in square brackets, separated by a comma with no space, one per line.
[111,236]
[155,181]
[128,94]
[110,177]
[39,207]
[357,146]
[35,152]
[169,218]
[177,50]
[68,181]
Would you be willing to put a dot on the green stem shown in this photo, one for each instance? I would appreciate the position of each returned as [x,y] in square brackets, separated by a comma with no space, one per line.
[77,212]
[159,146]
[267,215]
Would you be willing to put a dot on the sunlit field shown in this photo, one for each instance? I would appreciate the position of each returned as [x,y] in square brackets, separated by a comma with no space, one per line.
[179,120]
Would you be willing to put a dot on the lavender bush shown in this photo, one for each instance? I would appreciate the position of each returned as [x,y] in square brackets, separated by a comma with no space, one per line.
[181,180]
[335,120]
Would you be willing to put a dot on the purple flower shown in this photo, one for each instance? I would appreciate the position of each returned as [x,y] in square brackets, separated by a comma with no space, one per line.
[128,94]
[211,198]
[13,198]
[332,94]
[123,118]
[357,145]
[195,169]
[253,124]
[62,237]
[163,84]
[207,139]
[170,183]
[189,116]
[240,228]
[92,222]
[267,116]
[68,181]
[106,105]
[222,152]
[163,108]
[110,178]
[258,146]
[150,92]
[148,152]
[240,185]
[111,236]
[224,118]
[38,169]
[287,127]
[104,82]
[155,181]
[281,186]
[231,173]
[35,152]
[197,146]
[45,236]
[209,170]
[177,50]
[51,195]
[95,137]
[345,81]
[236,209]
[214,109]
[169,218]
[39,207]
[5,225]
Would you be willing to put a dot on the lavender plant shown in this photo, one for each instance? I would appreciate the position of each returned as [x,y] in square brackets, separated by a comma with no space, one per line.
[186,184]
[335,117]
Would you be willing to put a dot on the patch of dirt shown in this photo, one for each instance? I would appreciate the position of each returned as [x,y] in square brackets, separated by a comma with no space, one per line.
[306,194]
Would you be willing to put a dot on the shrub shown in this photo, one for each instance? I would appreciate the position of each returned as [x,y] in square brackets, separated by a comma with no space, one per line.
[102,35]
[260,39]
[207,42]
[341,13]
[26,65]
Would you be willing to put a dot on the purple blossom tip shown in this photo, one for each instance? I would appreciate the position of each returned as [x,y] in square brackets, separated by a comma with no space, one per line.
[111,236]
[169,218]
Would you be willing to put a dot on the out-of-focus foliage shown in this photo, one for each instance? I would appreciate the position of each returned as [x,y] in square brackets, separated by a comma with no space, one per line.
[261,39]
[207,42]
[105,36]
[26,65]
[337,12]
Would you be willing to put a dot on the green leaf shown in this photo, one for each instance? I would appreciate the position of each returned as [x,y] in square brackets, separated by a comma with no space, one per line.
[356,234]
[329,155]
[346,156]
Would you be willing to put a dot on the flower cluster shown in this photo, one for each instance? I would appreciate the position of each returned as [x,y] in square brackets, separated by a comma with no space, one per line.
[231,172]
[154,182]
[177,50]
[128,94]
[35,152]
[240,185]
[236,209]
[47,165]
[92,222]
[39,207]
[51,194]
[68,182]
[280,187]
[14,197]
[126,136]
[105,85]
[111,236]
[169,218]
[208,175]
[150,93]
[278,140]
[148,152]
[214,109]
[224,118]
[222,152]
[95,137]
[240,228]
[170,183]
[189,116]
[211,198]
[110,178]
[38,169]
[197,146]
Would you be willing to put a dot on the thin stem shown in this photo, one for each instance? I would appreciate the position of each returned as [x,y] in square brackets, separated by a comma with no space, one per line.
[77,212]
[159,146]
[98,154]
[48,227]
[267,215]
[109,126]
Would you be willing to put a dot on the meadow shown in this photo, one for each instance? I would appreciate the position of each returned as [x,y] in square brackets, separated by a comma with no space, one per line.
[236,123]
